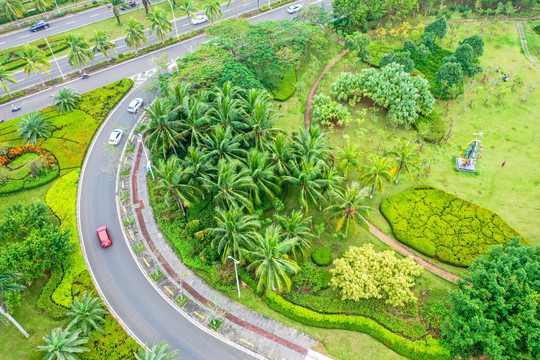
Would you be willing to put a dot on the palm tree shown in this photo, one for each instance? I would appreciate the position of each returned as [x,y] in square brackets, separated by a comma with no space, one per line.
[195,120]
[14,9]
[6,75]
[188,7]
[42,5]
[63,344]
[34,126]
[296,226]
[221,144]
[173,180]
[231,186]
[115,4]
[331,181]
[213,10]
[87,313]
[134,31]
[102,43]
[348,208]
[261,173]
[268,255]
[198,167]
[157,352]
[227,112]
[307,176]
[35,59]
[159,22]
[234,232]
[177,95]
[252,97]
[281,151]
[79,50]
[406,158]
[348,157]
[375,173]
[146,4]
[9,285]
[311,145]
[162,132]
[261,125]
[66,100]
[235,7]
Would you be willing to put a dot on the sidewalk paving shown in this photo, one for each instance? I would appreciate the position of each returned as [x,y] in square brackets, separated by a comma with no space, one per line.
[196,299]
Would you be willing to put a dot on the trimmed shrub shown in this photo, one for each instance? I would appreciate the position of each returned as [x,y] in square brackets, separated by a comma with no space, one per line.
[286,86]
[442,225]
[45,302]
[321,257]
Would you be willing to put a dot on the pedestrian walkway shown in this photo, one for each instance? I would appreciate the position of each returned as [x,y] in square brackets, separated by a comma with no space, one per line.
[196,299]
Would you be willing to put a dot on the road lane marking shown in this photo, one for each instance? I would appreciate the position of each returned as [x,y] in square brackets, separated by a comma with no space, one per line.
[246,4]
[123,187]
[94,15]
[131,233]
[20,37]
[146,262]
[71,22]
[199,315]
[247,342]
[123,207]
[125,160]
[3,42]
[169,290]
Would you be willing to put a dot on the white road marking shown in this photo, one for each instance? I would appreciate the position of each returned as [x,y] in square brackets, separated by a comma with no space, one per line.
[246,4]
[119,47]
[94,15]
[3,42]
[71,22]
[23,36]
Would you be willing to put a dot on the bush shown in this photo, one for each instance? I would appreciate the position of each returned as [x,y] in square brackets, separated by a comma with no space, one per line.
[321,257]
[286,86]
[113,343]
[6,98]
[223,276]
[308,280]
[441,225]
[431,127]
[45,302]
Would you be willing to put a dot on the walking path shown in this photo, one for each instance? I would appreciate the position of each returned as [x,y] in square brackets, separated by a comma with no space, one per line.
[186,290]
[524,45]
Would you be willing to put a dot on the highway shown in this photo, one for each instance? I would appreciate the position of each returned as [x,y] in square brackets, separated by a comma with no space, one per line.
[140,308]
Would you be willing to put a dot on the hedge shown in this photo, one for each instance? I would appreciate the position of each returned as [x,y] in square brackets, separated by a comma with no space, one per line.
[11,60]
[13,95]
[442,225]
[45,302]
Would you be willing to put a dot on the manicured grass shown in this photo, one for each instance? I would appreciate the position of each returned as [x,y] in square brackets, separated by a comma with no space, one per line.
[20,167]
[14,346]
[24,197]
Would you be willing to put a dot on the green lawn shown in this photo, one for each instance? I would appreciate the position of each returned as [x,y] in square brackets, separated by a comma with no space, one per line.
[20,167]
[533,38]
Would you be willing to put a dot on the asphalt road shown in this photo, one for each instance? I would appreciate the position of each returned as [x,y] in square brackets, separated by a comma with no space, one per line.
[147,315]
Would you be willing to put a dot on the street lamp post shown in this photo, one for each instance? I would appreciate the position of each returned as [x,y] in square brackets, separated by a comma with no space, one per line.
[54,57]
[148,162]
[236,272]
[174,20]
[57,7]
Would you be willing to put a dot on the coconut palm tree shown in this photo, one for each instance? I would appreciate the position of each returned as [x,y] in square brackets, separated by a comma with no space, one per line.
[178,93]
[157,352]
[34,126]
[79,50]
[348,157]
[252,97]
[102,43]
[146,4]
[159,23]
[268,255]
[234,232]
[348,208]
[296,226]
[163,132]
[188,7]
[331,181]
[406,158]
[6,75]
[66,100]
[87,313]
[260,171]
[173,179]
[227,112]
[261,126]
[63,344]
[195,119]
[9,285]
[116,4]
[134,31]
[42,5]
[311,145]
[282,152]
[307,176]
[231,186]
[213,11]
[198,167]
[221,144]
[14,9]
[375,173]
[35,59]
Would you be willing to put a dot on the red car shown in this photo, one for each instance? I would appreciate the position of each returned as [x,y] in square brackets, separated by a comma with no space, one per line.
[104,237]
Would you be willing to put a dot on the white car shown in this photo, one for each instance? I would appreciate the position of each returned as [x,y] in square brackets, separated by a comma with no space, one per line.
[199,19]
[116,136]
[294,8]
[135,105]
[172,66]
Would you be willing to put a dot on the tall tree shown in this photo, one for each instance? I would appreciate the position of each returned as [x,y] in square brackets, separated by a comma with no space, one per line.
[102,42]
[195,120]
[6,75]
[437,28]
[9,285]
[311,145]
[156,352]
[296,226]
[360,42]
[495,310]
[134,31]
[116,4]
[348,208]
[63,344]
[222,145]
[261,125]
[35,60]
[348,157]
[234,232]
[14,9]
[198,166]
[307,176]
[188,7]
[42,5]
[34,126]
[281,150]
[406,159]
[213,11]
[232,185]
[268,255]
[163,132]
[66,100]
[79,50]
[159,23]
[87,313]
[261,173]
[375,173]
[146,4]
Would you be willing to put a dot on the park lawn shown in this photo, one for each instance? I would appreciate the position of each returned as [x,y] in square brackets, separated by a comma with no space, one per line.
[14,345]
[533,38]
[20,167]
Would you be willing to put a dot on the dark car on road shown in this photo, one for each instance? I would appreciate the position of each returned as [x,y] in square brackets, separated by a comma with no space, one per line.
[128,4]
[40,25]
[104,237]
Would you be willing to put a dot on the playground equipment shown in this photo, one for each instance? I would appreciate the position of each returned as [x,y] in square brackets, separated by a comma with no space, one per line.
[466,160]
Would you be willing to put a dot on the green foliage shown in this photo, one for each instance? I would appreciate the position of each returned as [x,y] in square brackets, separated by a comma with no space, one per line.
[239,75]
[45,302]
[477,44]
[495,312]
[223,275]
[11,58]
[434,313]
[308,280]
[106,97]
[351,13]
[438,27]
[403,58]
[431,127]
[204,66]
[429,62]
[20,220]
[377,51]
[359,42]
[286,85]
[327,111]
[321,257]
[444,226]
[464,55]
[450,72]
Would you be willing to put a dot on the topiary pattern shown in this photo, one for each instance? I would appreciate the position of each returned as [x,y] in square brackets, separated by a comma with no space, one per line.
[321,257]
